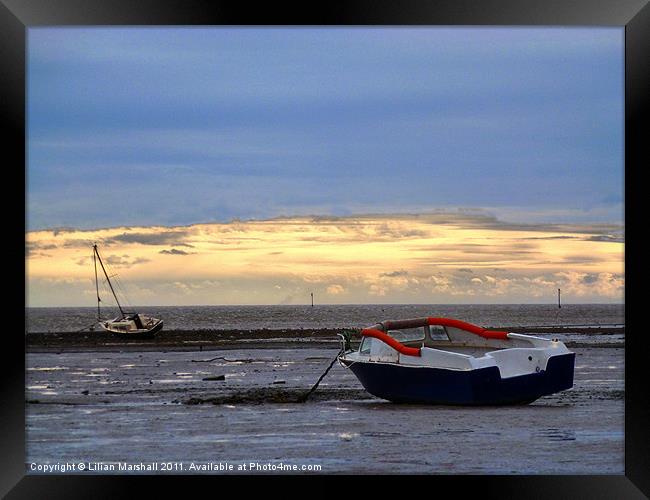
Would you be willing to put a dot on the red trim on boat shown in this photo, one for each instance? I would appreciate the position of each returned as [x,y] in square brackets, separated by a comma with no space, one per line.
[398,346]
[468,327]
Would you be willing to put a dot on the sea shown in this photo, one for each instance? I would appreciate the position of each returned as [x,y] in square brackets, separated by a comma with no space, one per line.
[274,317]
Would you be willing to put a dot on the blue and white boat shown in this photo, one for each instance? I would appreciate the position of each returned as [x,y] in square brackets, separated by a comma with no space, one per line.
[450,362]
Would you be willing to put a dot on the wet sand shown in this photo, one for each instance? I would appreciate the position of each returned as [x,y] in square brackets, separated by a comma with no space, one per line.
[236,404]
[184,339]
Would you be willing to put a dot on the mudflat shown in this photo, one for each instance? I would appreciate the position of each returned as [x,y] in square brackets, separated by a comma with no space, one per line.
[271,338]
[238,404]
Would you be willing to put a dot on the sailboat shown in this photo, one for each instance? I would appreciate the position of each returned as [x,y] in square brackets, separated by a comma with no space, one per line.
[127,324]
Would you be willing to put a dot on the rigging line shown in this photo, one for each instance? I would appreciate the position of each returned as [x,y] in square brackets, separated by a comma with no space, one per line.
[123,286]
[107,278]
[106,290]
[109,303]
[115,275]
[127,300]
[116,278]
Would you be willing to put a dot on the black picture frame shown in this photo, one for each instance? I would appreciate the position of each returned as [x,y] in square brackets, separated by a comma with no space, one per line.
[18,15]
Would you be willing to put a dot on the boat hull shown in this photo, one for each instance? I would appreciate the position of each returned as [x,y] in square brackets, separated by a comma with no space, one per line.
[482,386]
[138,334]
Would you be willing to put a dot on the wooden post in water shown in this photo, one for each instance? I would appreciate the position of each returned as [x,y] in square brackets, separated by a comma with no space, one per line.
[312,299]
[559,303]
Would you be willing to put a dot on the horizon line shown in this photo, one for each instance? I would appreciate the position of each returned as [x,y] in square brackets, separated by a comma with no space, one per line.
[357,304]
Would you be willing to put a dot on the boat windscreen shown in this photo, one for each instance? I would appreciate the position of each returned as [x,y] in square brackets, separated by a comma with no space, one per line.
[438,332]
[407,334]
[364,348]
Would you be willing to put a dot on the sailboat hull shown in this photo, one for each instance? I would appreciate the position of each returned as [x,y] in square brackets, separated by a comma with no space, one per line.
[134,333]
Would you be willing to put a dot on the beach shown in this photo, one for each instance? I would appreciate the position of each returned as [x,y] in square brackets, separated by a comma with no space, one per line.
[204,407]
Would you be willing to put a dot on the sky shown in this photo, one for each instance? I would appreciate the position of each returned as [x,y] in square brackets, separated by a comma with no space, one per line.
[200,132]
[462,257]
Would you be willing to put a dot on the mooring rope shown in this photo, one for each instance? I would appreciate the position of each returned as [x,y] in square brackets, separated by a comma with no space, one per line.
[87,327]
[304,398]
[222,358]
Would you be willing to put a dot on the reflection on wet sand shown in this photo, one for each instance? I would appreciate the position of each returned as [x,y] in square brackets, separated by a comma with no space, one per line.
[130,405]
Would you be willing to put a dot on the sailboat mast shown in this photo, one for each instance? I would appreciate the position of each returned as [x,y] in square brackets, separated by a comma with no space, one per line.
[99,318]
[108,279]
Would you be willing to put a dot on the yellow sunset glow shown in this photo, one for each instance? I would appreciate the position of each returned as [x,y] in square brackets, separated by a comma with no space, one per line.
[436,258]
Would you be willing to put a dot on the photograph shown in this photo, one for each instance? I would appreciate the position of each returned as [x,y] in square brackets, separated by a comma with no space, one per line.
[313,250]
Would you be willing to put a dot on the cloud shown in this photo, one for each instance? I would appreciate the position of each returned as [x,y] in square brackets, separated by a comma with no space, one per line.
[295,125]
[440,283]
[607,238]
[62,230]
[585,284]
[78,243]
[582,259]
[342,259]
[175,251]
[83,261]
[33,248]
[483,219]
[335,290]
[175,237]
[394,274]
[552,238]
[124,260]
